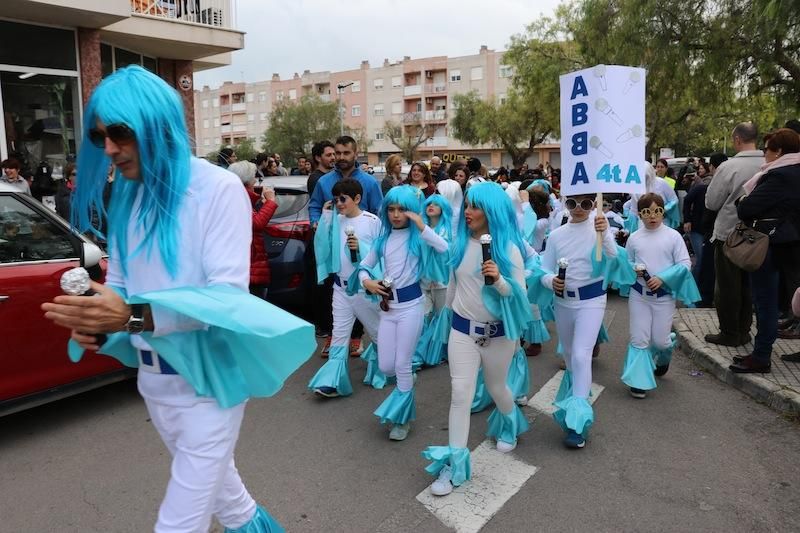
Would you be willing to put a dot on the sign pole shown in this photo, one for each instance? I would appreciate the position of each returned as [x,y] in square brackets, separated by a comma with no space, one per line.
[598,247]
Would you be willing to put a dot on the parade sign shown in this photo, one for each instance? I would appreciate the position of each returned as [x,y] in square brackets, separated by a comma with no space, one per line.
[603,130]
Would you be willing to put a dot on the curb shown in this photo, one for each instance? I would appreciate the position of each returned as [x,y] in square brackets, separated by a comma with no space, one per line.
[776,397]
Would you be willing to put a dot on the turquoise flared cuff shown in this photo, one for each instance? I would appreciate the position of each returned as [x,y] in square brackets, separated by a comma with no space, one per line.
[638,369]
[508,427]
[681,284]
[334,373]
[456,458]
[398,408]
[664,356]
[261,522]
[602,335]
[575,414]
[519,377]
[536,332]
[565,388]
[374,377]
[482,399]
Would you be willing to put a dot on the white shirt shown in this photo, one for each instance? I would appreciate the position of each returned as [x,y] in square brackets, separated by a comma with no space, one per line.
[398,263]
[464,291]
[575,241]
[366,226]
[214,234]
[658,249]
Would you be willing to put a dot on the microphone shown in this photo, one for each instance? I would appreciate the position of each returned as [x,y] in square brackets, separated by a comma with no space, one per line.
[386,284]
[351,231]
[486,243]
[75,282]
[641,270]
[562,273]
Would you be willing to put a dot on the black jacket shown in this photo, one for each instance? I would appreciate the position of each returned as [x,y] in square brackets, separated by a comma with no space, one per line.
[693,206]
[774,205]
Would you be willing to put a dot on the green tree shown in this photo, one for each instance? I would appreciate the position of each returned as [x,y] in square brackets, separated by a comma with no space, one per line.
[294,128]
[407,138]
[245,149]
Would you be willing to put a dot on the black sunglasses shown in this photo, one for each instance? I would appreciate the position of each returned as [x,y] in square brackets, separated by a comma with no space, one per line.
[585,204]
[342,199]
[118,133]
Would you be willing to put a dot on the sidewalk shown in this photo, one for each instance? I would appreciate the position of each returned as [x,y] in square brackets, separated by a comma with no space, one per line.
[780,389]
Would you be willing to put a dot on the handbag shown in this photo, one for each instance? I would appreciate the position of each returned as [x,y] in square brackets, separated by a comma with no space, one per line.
[746,247]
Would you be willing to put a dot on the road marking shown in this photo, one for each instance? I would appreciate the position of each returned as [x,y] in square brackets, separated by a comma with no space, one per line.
[496,477]
[543,400]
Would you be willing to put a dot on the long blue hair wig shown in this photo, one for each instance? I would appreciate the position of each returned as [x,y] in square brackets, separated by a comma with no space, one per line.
[154,111]
[502,221]
[410,199]
[444,227]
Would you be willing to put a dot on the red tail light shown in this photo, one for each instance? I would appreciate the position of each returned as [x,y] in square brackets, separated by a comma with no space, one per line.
[300,230]
[295,280]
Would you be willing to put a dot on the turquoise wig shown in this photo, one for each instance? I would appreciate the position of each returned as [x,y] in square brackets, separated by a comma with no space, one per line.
[502,221]
[444,228]
[154,111]
[410,199]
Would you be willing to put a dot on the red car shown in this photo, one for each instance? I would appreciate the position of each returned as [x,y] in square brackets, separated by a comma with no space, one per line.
[36,247]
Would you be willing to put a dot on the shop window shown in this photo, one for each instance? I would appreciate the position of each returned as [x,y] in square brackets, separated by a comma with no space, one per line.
[123,58]
[106,59]
[37,46]
[150,64]
[41,117]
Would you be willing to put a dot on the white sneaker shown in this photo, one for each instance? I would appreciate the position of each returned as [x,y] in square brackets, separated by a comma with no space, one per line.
[443,485]
[521,400]
[399,432]
[506,447]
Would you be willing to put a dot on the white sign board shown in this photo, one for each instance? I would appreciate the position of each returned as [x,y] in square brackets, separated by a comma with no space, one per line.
[602,130]
[666,153]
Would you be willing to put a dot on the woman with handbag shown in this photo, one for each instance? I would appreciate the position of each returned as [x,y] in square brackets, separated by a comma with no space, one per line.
[772,207]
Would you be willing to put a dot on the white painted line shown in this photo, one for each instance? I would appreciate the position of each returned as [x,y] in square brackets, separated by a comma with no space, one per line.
[543,400]
[496,477]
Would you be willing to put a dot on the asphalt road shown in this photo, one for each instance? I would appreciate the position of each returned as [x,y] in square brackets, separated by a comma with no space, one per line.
[695,455]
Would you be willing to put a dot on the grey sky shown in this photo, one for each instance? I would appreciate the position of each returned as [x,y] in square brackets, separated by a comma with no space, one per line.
[289,36]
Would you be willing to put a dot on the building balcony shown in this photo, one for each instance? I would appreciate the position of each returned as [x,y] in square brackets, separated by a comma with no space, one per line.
[436,116]
[216,13]
[436,141]
[412,117]
[412,90]
[435,88]
[239,107]
[325,97]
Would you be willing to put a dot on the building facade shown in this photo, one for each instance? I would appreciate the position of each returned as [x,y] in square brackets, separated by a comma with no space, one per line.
[54,53]
[411,92]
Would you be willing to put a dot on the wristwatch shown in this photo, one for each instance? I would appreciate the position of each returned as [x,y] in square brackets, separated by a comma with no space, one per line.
[135,323]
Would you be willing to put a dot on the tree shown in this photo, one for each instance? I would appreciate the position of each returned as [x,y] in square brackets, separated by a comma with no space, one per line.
[294,128]
[407,138]
[530,112]
[245,149]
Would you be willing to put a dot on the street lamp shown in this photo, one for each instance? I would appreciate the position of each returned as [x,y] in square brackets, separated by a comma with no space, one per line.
[341,87]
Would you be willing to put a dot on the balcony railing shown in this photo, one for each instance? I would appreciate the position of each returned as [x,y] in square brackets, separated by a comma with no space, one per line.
[436,141]
[239,108]
[439,114]
[412,116]
[217,13]
[412,90]
[435,88]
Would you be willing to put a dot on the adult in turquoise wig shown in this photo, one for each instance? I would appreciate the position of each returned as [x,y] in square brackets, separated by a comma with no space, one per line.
[176,301]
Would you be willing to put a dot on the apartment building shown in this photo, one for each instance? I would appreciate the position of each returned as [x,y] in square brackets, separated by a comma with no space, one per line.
[54,53]
[411,92]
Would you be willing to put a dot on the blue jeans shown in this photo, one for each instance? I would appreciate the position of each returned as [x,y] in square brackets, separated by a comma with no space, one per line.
[764,287]
[697,246]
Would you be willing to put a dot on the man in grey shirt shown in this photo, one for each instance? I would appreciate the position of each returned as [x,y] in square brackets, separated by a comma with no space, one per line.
[732,290]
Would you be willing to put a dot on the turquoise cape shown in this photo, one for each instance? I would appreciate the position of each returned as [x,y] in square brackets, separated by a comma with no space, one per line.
[241,354]
[326,242]
[680,283]
[513,310]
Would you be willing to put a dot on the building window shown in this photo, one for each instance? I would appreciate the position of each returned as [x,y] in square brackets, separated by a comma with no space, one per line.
[455,75]
[378,110]
[379,136]
[251,118]
[476,73]
[262,96]
[506,71]
[216,123]
[502,99]
[378,84]
[150,64]
[207,142]
[205,123]
[396,108]
[262,117]
[356,87]
[205,104]
[250,97]
[123,58]
[292,94]
[36,46]
[355,111]
[396,82]
[106,60]
[215,102]
[279,96]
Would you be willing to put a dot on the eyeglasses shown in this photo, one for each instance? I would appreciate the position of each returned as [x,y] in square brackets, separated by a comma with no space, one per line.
[657,211]
[586,204]
[118,133]
[342,199]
